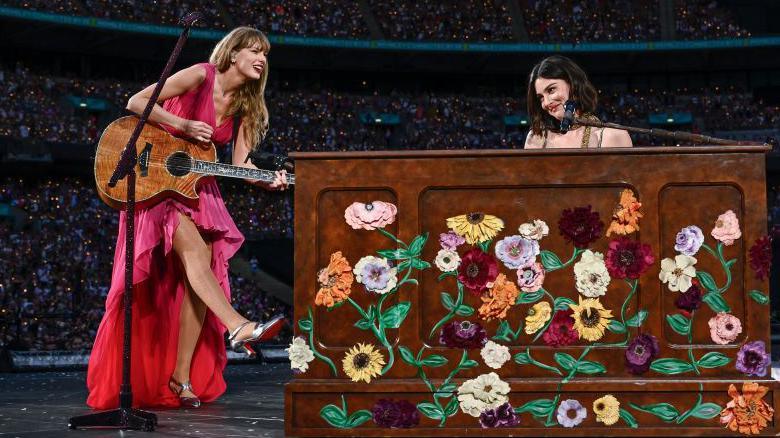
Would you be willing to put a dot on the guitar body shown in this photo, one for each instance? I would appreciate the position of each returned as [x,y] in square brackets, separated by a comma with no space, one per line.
[160,172]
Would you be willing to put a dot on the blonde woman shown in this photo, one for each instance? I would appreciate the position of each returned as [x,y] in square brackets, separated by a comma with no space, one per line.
[181,292]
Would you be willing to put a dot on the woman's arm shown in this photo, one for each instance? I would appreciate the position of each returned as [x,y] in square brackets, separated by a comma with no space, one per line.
[177,84]
[616,138]
[532,141]
[240,152]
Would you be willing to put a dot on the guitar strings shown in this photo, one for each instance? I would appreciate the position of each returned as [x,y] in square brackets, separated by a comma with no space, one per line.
[181,163]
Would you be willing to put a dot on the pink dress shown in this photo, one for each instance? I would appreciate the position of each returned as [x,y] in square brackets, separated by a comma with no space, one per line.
[158,287]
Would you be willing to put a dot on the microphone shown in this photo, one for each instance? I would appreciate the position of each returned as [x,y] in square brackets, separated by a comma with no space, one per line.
[568,116]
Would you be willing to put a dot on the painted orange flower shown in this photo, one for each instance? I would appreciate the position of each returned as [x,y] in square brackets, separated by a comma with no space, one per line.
[335,281]
[625,219]
[498,299]
[747,413]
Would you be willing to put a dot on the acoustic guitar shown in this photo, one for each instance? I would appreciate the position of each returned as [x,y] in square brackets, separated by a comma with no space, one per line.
[167,166]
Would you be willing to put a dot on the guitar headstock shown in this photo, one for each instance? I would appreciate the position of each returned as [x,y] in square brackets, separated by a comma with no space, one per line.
[189,19]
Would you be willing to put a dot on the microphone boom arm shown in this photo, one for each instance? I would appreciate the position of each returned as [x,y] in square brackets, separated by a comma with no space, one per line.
[675,135]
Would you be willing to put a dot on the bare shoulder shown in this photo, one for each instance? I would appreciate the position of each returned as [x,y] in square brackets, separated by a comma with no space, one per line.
[616,138]
[533,141]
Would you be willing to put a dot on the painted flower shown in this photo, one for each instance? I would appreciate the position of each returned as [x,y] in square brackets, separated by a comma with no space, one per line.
[628,258]
[689,240]
[561,330]
[727,228]
[395,414]
[591,274]
[370,216]
[497,301]
[476,227]
[495,355]
[516,251]
[535,230]
[376,274]
[447,260]
[641,352]
[530,276]
[450,240]
[486,391]
[590,318]
[580,225]
[300,355]
[463,334]
[678,274]
[538,315]
[607,409]
[502,416]
[335,281]
[571,413]
[747,413]
[761,257]
[690,300]
[625,218]
[363,362]
[724,328]
[476,270]
[753,360]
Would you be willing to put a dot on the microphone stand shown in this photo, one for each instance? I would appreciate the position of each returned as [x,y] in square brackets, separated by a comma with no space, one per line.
[675,135]
[125,417]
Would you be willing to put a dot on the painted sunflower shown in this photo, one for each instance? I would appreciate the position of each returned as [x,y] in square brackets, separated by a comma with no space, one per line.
[363,362]
[607,409]
[590,318]
[476,227]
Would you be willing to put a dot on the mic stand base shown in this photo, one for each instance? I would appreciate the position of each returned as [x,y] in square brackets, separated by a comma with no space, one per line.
[121,418]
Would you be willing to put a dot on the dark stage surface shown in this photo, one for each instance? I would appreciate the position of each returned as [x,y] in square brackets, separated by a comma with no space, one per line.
[39,404]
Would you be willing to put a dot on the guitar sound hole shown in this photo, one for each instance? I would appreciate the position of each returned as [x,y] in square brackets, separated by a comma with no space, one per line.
[179,164]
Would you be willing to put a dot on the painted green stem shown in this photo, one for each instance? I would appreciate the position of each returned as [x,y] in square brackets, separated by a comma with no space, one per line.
[726,268]
[449,315]
[317,354]
[378,332]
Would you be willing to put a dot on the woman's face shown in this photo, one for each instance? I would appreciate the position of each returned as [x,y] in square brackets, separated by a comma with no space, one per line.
[251,61]
[552,94]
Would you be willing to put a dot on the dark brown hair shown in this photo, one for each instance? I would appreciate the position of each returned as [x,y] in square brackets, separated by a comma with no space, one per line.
[580,90]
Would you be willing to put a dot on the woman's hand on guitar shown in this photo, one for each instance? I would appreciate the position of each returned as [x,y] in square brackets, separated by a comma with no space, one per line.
[199,131]
[279,182]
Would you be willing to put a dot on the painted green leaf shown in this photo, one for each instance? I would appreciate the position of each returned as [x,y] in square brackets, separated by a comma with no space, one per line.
[469,364]
[358,417]
[670,366]
[407,356]
[503,332]
[679,323]
[529,297]
[758,297]
[616,327]
[706,411]
[664,411]
[716,302]
[434,361]
[417,244]
[304,324]
[562,303]
[706,280]
[484,246]
[522,358]
[363,324]
[446,390]
[538,408]
[451,408]
[335,306]
[566,361]
[464,310]
[444,275]
[713,359]
[446,301]
[638,319]
[394,316]
[420,264]
[550,261]
[393,254]
[334,416]
[628,418]
[430,410]
[590,367]
[404,265]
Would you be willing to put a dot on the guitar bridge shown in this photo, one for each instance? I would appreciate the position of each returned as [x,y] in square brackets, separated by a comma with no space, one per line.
[143,159]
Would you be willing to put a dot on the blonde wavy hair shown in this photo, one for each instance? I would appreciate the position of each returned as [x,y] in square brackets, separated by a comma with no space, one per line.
[249,100]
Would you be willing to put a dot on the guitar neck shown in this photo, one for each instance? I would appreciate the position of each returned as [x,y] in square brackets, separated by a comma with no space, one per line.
[220,169]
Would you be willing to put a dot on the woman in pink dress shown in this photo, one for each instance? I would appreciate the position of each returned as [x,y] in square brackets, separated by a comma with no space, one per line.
[181,295]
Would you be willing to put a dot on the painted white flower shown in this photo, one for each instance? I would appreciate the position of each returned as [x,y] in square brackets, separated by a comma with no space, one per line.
[300,354]
[678,273]
[487,391]
[495,355]
[535,230]
[591,274]
[447,260]
[376,274]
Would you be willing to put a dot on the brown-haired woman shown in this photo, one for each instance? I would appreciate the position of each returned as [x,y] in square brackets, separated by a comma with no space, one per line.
[553,82]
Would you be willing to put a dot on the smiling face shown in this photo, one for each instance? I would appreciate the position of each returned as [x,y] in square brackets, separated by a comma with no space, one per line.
[552,94]
[251,61]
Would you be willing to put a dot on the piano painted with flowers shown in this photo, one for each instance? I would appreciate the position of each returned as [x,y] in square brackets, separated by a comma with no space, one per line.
[555,292]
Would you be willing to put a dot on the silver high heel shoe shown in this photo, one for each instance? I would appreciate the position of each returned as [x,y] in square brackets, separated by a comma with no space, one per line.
[262,332]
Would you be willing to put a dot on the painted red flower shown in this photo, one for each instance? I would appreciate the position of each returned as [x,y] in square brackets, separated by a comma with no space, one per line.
[580,226]
[476,270]
[761,257]
[628,258]
[561,331]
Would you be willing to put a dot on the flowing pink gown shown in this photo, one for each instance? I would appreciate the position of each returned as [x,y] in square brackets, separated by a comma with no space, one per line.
[158,287]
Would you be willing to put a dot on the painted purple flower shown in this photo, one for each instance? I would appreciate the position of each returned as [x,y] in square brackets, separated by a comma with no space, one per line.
[464,334]
[689,300]
[689,240]
[570,413]
[502,416]
[640,352]
[450,240]
[530,276]
[752,359]
[395,414]
[515,251]
[376,274]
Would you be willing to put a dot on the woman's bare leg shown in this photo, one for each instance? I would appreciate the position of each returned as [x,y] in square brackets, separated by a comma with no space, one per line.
[191,317]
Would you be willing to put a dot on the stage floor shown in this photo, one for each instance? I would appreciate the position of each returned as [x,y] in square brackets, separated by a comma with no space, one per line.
[39,404]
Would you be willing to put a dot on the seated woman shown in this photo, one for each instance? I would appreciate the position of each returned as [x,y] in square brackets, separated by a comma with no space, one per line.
[553,82]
